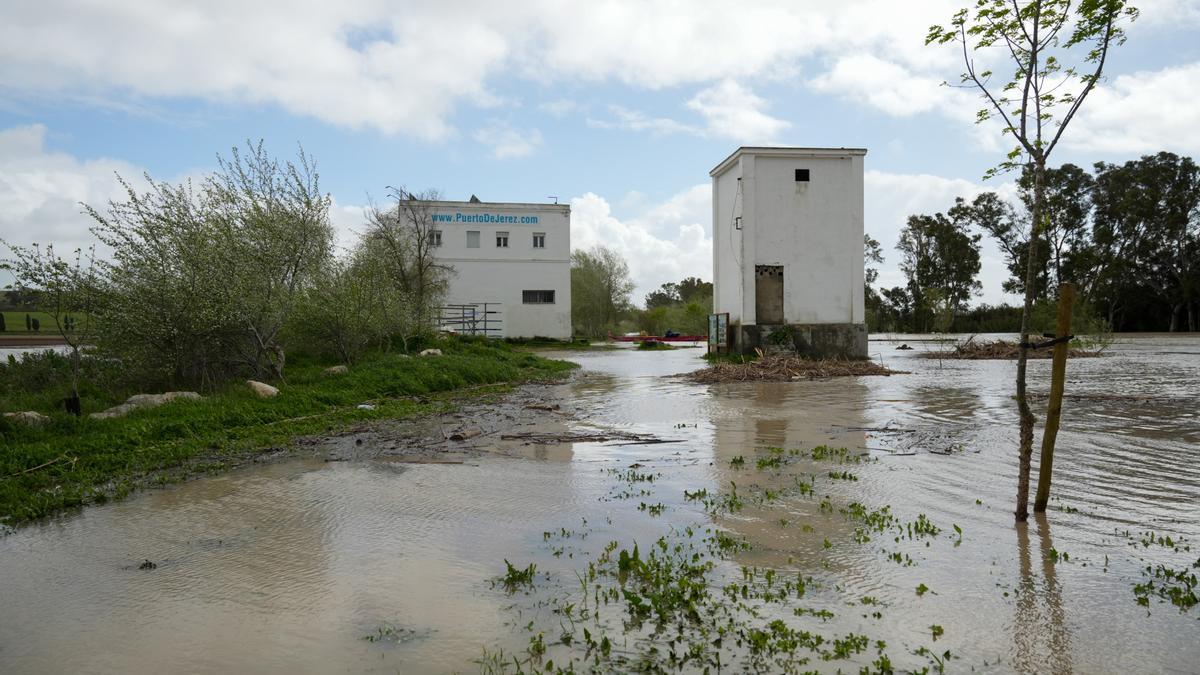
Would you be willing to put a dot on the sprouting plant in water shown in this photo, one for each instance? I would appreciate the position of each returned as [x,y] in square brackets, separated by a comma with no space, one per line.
[772,462]
[737,462]
[653,509]
[389,633]
[922,589]
[514,579]
[937,631]
[1177,586]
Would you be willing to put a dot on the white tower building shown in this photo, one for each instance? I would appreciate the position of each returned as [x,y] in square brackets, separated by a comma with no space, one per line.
[788,249]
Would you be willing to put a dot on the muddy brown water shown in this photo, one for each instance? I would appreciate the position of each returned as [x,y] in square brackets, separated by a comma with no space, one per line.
[287,567]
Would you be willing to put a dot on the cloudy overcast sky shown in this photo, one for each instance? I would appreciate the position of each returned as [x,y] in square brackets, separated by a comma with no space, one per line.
[620,108]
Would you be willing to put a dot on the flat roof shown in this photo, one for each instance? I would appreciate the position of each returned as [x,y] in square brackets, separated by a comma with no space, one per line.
[783,152]
[538,206]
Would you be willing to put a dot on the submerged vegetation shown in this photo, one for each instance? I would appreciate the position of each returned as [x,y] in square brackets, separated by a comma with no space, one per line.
[1002,349]
[682,603]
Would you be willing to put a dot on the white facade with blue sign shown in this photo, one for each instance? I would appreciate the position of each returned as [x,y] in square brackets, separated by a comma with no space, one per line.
[516,258]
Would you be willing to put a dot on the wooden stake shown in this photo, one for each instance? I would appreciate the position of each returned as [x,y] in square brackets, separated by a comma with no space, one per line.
[1058,376]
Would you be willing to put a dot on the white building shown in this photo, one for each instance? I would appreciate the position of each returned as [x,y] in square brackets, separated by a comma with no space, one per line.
[788,249]
[514,257]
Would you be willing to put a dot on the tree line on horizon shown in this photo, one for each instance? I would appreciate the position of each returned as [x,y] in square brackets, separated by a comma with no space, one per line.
[1127,235]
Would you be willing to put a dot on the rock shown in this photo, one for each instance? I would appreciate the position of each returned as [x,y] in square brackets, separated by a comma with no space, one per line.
[431,352]
[145,401]
[336,370]
[365,406]
[464,434]
[542,406]
[262,389]
[904,346]
[30,417]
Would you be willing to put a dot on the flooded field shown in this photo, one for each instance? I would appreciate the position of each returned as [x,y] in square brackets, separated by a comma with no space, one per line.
[902,547]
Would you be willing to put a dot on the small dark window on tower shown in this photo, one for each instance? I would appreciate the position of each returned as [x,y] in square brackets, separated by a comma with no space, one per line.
[801,175]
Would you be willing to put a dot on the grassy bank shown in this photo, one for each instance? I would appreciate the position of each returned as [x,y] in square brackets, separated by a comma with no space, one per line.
[73,462]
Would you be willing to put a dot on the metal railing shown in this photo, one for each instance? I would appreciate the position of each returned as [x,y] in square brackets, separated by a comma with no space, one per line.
[478,318]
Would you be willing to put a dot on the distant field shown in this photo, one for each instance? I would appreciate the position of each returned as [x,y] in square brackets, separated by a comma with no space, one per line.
[14,323]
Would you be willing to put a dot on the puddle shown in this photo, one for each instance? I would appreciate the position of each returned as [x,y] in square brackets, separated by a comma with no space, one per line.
[379,565]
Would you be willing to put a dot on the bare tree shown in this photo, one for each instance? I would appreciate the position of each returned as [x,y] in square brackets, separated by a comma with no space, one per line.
[1057,50]
[403,234]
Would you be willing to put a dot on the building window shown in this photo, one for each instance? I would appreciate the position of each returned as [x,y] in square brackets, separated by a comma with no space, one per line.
[801,175]
[472,239]
[539,240]
[435,237]
[501,240]
[537,297]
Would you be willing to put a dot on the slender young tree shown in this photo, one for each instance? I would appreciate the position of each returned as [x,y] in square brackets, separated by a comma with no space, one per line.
[1056,52]
[68,290]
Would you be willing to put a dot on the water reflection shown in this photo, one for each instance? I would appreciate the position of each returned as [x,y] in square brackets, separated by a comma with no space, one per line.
[1041,637]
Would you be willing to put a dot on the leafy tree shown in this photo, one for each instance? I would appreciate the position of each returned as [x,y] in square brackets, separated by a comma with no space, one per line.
[1057,50]
[665,296]
[202,279]
[940,259]
[600,290]
[693,289]
[66,286]
[898,309]
[1147,233]
[872,252]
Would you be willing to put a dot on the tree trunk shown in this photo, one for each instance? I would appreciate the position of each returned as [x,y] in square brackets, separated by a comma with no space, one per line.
[1066,298]
[1025,450]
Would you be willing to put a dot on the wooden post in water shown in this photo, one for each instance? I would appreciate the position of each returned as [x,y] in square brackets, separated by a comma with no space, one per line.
[1058,376]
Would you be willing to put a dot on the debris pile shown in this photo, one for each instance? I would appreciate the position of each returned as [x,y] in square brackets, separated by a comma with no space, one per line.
[787,368]
[1001,349]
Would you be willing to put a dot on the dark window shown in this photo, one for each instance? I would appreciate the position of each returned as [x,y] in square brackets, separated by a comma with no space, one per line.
[537,297]
[801,175]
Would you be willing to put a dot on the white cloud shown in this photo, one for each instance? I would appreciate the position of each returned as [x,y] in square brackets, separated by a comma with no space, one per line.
[887,86]
[507,142]
[728,110]
[560,107]
[733,111]
[41,191]
[665,242]
[369,63]
[1141,113]
[633,120]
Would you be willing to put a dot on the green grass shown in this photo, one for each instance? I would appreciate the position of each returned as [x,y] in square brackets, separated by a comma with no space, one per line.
[86,461]
[14,323]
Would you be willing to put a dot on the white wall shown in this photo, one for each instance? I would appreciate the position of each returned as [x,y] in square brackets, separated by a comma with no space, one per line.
[499,275]
[814,230]
[727,245]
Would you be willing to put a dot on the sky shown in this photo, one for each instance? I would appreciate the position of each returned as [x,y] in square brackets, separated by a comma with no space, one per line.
[618,108]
